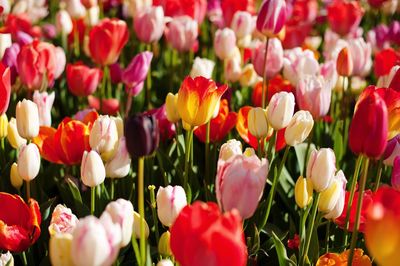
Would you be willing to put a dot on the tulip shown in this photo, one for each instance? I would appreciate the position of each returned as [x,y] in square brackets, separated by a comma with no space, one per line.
[258,123]
[196,9]
[274,58]
[243,129]
[120,125]
[12,134]
[344,63]
[271,17]
[63,221]
[119,165]
[232,68]
[170,201]
[229,149]
[164,246]
[63,22]
[103,137]
[299,128]
[15,179]
[299,63]
[3,126]
[329,198]
[182,33]
[82,80]
[344,17]
[165,262]
[113,35]
[280,110]
[202,67]
[19,222]
[167,129]
[248,77]
[136,72]
[361,56]
[193,233]
[44,102]
[230,7]
[60,249]
[142,135]
[395,180]
[303,192]
[197,99]
[342,259]
[314,95]
[121,212]
[7,259]
[384,61]
[241,173]
[224,43]
[92,169]
[5,88]
[28,162]
[61,62]
[392,150]
[76,9]
[171,107]
[242,24]
[136,226]
[5,42]
[369,127]
[27,114]
[149,24]
[321,168]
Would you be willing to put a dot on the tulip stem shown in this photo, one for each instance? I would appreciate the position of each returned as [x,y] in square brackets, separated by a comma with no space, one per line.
[28,190]
[153,211]
[189,139]
[148,84]
[351,197]
[271,194]
[93,200]
[265,81]
[24,260]
[112,188]
[103,87]
[310,137]
[378,176]
[128,105]
[142,243]
[207,156]
[358,214]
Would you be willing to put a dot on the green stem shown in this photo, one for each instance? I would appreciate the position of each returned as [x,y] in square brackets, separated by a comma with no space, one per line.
[259,148]
[28,190]
[379,175]
[153,211]
[24,260]
[271,144]
[136,249]
[112,188]
[188,141]
[148,85]
[141,210]
[93,199]
[358,214]
[103,87]
[310,228]
[207,156]
[265,81]
[271,194]
[328,225]
[310,137]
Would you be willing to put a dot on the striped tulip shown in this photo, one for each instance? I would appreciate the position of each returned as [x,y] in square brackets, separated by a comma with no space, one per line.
[272,17]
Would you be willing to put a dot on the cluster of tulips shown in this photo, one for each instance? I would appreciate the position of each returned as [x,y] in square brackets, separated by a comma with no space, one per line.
[195,132]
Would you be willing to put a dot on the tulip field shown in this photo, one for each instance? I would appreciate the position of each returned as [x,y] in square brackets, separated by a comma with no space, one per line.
[199,132]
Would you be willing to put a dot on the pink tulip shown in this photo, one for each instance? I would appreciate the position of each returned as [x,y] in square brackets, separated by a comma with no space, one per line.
[297,63]
[62,220]
[242,24]
[136,72]
[44,102]
[361,56]
[240,183]
[314,95]
[182,33]
[274,58]
[272,17]
[224,43]
[149,24]
[396,173]
[167,129]
[61,60]
[392,150]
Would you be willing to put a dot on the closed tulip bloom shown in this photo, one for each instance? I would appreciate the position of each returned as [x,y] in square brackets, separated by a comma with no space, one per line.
[121,213]
[344,16]
[27,114]
[119,165]
[242,24]
[93,172]
[136,226]
[330,197]
[15,179]
[149,24]
[170,201]
[271,17]
[76,9]
[113,35]
[44,102]
[82,80]
[136,72]
[13,137]
[3,126]
[303,192]
[232,68]
[248,77]
[28,162]
[165,262]
[258,123]
[5,88]
[171,107]
[63,22]
[246,174]
[202,67]
[182,33]
[274,62]
[229,149]
[197,100]
[280,109]
[7,259]
[60,250]
[321,168]
[369,127]
[63,221]
[5,42]
[103,137]
[339,206]
[344,63]
[164,246]
[360,51]
[395,180]
[299,128]
[61,60]
[392,150]
[224,43]
[299,63]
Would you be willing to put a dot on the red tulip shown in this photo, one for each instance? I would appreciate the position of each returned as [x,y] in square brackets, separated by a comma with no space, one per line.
[19,222]
[376,3]
[79,30]
[82,80]
[36,63]
[344,63]
[202,235]
[276,84]
[344,17]
[106,40]
[196,9]
[384,61]
[219,126]
[369,126]
[5,88]
[395,83]
[230,7]
[109,106]
[20,23]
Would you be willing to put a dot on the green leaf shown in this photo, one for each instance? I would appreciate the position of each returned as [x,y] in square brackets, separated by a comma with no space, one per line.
[281,252]
[338,140]
[300,150]
[45,208]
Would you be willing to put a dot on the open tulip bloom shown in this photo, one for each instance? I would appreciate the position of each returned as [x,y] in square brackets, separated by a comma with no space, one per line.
[199,133]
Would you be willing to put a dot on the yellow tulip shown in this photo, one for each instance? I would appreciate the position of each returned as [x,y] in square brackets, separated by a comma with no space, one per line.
[303,191]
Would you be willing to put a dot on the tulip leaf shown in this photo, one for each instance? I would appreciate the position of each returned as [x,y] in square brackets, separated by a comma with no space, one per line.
[45,208]
[338,140]
[281,252]
[300,150]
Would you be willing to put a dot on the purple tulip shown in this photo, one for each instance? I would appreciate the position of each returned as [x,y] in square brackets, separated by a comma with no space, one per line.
[396,173]
[10,59]
[23,38]
[136,72]
[394,32]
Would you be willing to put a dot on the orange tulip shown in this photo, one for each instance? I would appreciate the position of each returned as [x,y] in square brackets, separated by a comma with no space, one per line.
[219,126]
[335,259]
[66,144]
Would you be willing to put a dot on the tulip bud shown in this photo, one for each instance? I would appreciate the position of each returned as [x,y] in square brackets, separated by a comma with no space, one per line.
[248,152]
[330,196]
[27,114]
[60,249]
[5,42]
[242,24]
[63,221]
[170,201]
[63,22]
[6,259]
[119,165]
[165,262]
[76,9]
[149,24]
[44,103]
[104,136]
[3,126]
[13,137]
[321,168]
[271,17]
[15,178]
[395,181]
[121,213]
[182,33]
[28,162]
[344,63]
[258,123]
[120,125]
[303,191]
[136,226]
[164,247]
[93,172]
[281,109]
[299,128]
[142,135]
[339,206]
[136,72]
[171,107]
[232,68]
[224,43]
[229,149]
[202,67]
[92,16]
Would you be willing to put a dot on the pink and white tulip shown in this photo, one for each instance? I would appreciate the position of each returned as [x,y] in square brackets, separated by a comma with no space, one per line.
[44,102]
